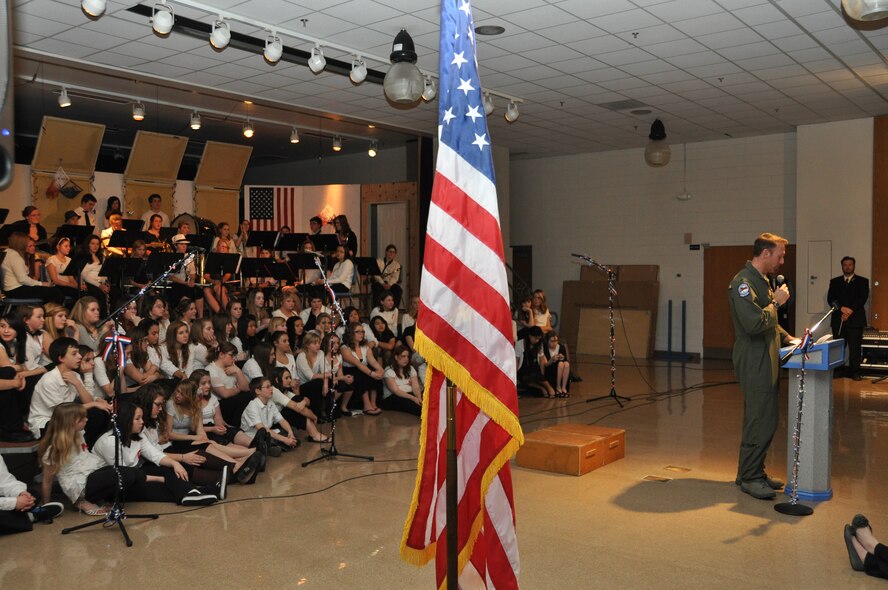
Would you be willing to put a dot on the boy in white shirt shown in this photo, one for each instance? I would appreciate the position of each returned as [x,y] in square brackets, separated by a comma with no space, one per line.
[64,384]
[261,414]
[18,508]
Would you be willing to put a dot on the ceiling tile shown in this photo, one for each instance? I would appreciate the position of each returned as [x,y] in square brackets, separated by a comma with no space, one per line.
[573,31]
[624,56]
[629,20]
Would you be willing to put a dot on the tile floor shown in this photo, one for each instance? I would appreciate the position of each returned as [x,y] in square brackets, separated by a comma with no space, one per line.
[338,524]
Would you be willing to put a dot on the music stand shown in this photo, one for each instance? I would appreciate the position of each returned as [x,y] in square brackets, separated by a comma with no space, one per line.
[218,264]
[123,239]
[255,268]
[290,242]
[262,239]
[117,267]
[133,225]
[167,233]
[201,241]
[75,267]
[325,242]
[77,234]
[159,262]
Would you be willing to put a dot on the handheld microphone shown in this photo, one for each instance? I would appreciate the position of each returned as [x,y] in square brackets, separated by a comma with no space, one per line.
[780,280]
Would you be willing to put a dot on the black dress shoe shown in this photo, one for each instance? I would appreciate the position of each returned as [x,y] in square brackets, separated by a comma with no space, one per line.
[16,437]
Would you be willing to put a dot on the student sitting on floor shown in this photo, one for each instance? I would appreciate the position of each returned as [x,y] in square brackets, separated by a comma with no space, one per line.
[19,510]
[262,415]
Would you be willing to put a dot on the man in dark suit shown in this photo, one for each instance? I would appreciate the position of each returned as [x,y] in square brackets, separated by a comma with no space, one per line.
[850,291]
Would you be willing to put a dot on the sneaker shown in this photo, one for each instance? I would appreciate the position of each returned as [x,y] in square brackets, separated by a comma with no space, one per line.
[221,486]
[46,512]
[758,488]
[198,498]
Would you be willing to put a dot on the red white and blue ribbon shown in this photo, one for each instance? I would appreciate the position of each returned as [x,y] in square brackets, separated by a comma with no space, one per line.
[122,343]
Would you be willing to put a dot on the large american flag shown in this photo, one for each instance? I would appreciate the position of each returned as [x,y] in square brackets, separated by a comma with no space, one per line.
[464,330]
[270,207]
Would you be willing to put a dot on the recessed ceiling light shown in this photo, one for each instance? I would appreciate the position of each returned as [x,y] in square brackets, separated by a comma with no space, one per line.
[248,102]
[490,30]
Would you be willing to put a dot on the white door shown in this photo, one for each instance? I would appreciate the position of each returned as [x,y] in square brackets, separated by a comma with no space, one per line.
[819,274]
[388,225]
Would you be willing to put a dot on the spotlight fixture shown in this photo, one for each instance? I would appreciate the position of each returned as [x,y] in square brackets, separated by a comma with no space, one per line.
[221,34]
[337,143]
[488,104]
[162,18]
[317,62]
[94,8]
[359,70]
[657,153]
[195,120]
[64,101]
[404,82]
[294,136]
[274,49]
[430,91]
[374,147]
[511,114]
[248,129]
[139,111]
[865,10]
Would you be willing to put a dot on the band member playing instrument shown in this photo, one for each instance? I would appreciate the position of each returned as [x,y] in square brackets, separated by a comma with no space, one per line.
[115,222]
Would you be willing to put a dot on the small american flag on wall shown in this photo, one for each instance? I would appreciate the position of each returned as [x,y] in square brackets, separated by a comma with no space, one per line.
[270,207]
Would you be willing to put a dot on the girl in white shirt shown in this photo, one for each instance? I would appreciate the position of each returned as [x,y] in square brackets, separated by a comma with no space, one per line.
[166,479]
[312,372]
[358,361]
[96,285]
[140,369]
[56,265]
[36,340]
[215,426]
[177,362]
[204,342]
[283,356]
[402,389]
[387,311]
[293,406]
[154,308]
[83,476]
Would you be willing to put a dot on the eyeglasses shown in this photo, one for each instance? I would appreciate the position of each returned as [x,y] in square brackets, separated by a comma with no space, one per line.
[157,404]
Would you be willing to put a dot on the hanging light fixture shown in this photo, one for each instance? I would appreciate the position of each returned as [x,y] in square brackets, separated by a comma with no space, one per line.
[64,101]
[684,195]
[431,89]
[337,143]
[221,34]
[511,114]
[865,10]
[139,111]
[359,70]
[195,120]
[374,147]
[162,18]
[274,49]
[94,8]
[489,107]
[317,62]
[248,129]
[404,82]
[294,136]
[657,152]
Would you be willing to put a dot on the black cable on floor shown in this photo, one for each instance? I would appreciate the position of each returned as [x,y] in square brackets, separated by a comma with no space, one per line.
[286,496]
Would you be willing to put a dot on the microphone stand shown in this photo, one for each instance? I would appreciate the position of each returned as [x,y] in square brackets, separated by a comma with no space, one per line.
[611,294]
[793,508]
[332,451]
[118,514]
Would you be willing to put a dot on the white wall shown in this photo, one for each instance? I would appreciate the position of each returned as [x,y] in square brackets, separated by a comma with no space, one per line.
[613,207]
[835,199]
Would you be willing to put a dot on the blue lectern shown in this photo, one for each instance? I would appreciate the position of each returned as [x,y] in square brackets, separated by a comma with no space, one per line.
[815,451]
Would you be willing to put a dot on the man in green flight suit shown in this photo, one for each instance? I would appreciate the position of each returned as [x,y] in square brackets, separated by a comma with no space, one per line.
[757,339]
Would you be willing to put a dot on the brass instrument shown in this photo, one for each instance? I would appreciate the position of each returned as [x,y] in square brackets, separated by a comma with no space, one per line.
[159,247]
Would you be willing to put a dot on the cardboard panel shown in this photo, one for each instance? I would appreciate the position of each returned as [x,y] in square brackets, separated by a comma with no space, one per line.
[137,194]
[632,328]
[217,206]
[72,144]
[155,157]
[222,166]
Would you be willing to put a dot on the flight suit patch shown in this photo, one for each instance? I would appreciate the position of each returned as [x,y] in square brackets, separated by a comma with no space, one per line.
[743,290]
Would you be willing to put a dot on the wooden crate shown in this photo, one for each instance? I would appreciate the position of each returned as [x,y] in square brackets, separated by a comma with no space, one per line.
[614,443]
[572,449]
